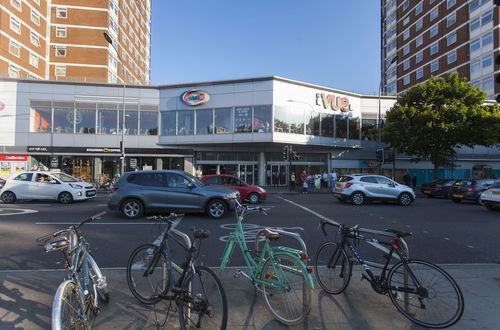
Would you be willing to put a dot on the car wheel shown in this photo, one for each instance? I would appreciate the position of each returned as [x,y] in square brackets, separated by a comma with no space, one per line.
[358,198]
[216,209]
[65,197]
[478,201]
[132,208]
[456,200]
[253,198]
[405,199]
[9,197]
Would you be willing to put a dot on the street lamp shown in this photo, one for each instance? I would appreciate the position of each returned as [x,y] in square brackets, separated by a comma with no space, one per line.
[122,142]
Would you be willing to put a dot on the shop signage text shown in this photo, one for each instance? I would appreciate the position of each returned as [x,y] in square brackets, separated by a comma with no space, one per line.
[330,101]
[195,97]
[15,158]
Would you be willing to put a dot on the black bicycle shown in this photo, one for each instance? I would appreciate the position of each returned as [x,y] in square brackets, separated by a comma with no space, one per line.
[423,292]
[196,290]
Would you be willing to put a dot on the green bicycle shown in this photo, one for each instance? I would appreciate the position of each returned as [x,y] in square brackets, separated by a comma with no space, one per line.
[280,272]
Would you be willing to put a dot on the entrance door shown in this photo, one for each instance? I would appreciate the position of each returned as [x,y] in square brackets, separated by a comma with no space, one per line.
[248,173]
[277,175]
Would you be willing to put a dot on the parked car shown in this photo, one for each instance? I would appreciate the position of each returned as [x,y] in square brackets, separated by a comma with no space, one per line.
[491,196]
[46,185]
[438,188]
[469,189]
[359,188]
[252,193]
[141,192]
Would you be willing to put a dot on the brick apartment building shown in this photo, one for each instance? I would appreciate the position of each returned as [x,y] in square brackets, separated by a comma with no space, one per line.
[421,38]
[63,40]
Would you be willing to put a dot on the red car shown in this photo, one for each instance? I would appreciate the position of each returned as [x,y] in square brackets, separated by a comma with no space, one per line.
[252,193]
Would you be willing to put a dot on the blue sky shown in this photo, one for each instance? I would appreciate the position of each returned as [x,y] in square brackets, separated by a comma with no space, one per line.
[333,43]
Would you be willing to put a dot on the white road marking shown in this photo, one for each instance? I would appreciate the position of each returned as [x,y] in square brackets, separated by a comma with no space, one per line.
[446,238]
[470,246]
[18,211]
[426,232]
[306,209]
[102,205]
[97,223]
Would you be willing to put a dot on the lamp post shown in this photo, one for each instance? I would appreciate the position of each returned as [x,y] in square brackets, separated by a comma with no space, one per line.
[379,114]
[122,142]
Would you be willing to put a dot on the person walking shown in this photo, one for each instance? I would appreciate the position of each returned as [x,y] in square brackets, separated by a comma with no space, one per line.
[317,181]
[292,181]
[303,178]
[333,179]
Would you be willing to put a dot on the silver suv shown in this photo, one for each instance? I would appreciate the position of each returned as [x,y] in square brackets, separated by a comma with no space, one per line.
[359,188]
[141,192]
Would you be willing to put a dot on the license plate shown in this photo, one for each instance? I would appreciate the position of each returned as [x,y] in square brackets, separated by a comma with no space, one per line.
[90,193]
[457,196]
[496,192]
[427,191]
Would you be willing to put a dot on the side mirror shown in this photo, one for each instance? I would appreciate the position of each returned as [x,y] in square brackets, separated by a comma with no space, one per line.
[190,185]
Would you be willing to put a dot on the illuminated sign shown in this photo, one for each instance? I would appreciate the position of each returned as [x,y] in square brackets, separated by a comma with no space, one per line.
[330,101]
[195,97]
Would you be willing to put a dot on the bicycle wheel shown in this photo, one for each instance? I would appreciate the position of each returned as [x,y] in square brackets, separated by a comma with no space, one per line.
[147,273]
[67,312]
[333,268]
[103,292]
[438,303]
[204,306]
[288,293]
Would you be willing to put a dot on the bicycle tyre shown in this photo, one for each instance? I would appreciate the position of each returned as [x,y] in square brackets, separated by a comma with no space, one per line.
[333,278]
[300,282]
[94,269]
[446,303]
[147,289]
[205,292]
[66,310]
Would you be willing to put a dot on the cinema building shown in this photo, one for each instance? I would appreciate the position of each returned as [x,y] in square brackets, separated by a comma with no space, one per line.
[239,127]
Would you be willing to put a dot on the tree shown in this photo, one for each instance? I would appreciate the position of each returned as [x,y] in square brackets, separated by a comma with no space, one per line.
[431,120]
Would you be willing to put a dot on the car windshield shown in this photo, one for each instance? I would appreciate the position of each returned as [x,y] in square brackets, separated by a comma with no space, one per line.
[195,180]
[64,177]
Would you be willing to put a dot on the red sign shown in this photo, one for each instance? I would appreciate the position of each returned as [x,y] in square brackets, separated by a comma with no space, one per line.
[14,158]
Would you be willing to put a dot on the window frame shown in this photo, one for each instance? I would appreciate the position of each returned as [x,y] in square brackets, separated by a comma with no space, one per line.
[62,29]
[62,12]
[35,39]
[35,14]
[60,67]
[15,45]
[15,25]
[434,46]
[452,55]
[450,36]
[451,19]
[34,60]
[60,51]
[436,63]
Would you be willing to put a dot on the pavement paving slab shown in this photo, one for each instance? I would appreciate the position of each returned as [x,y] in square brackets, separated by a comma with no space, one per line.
[26,300]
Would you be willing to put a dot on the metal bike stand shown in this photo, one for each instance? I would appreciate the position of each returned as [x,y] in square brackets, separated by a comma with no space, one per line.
[282,232]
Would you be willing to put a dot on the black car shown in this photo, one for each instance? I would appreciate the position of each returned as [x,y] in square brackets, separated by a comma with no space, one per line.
[438,188]
[469,189]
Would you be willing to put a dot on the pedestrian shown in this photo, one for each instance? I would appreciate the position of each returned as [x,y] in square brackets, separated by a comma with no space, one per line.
[304,187]
[317,181]
[303,178]
[324,180]
[414,181]
[292,181]
[277,178]
[333,179]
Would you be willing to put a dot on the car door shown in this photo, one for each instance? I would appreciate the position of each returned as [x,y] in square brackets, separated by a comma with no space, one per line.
[182,194]
[387,188]
[234,183]
[20,185]
[370,186]
[42,188]
[152,188]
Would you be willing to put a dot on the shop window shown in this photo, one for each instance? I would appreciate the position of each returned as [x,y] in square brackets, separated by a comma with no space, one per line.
[149,123]
[63,120]
[262,118]
[85,121]
[185,122]
[327,125]
[296,120]
[168,122]
[354,128]
[107,121]
[131,122]
[40,119]
[204,121]
[341,127]
[369,130]
[313,121]
[243,119]
[223,121]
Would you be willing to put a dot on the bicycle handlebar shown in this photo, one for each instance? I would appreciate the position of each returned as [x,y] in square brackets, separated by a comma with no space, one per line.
[353,229]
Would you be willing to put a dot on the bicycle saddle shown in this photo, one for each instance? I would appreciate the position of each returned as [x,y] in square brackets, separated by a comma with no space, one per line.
[398,232]
[201,233]
[270,235]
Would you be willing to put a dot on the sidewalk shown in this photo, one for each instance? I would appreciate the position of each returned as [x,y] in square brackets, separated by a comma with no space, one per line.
[26,300]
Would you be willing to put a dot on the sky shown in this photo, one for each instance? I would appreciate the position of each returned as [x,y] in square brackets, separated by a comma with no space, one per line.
[332,43]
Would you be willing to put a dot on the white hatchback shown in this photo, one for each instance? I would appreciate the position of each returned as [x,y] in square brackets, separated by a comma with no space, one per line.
[45,185]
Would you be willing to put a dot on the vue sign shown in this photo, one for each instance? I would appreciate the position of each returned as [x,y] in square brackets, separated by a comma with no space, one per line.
[329,101]
[195,97]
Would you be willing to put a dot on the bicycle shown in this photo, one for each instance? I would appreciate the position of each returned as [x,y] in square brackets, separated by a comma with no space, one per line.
[421,291]
[197,292]
[75,303]
[279,272]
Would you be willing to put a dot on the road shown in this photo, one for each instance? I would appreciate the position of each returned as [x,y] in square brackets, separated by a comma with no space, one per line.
[443,232]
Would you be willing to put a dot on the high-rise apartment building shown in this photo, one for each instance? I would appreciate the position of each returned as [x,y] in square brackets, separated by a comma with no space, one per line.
[63,40]
[421,38]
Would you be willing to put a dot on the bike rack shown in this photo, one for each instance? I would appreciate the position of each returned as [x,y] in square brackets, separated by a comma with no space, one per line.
[282,232]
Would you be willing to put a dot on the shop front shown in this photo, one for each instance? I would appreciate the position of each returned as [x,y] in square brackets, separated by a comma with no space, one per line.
[12,164]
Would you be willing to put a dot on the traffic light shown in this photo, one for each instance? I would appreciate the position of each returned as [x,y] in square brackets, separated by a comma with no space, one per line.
[285,153]
[380,155]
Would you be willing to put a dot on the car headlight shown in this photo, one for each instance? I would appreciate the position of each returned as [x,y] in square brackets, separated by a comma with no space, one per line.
[76,186]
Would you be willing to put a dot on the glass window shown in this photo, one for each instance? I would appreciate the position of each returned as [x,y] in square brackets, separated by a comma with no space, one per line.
[107,121]
[327,125]
[35,18]
[63,120]
[475,24]
[60,70]
[61,12]
[354,128]
[418,8]
[223,121]
[488,83]
[475,45]
[340,127]
[262,117]
[419,57]
[35,40]
[40,119]
[312,123]
[452,57]
[487,17]
[61,31]
[450,3]
[382,180]
[243,119]
[185,122]
[406,20]
[406,80]
[419,73]
[406,65]
[406,49]
[434,48]
[487,61]
[168,121]
[434,14]
[296,120]
[473,5]
[177,180]
[406,4]
[204,121]
[131,122]
[476,83]
[419,41]
[211,180]
[487,39]
[434,31]
[24,177]
[281,119]
[451,39]
[450,20]
[85,121]
[475,66]
[13,71]
[368,179]
[419,25]
[149,123]
[406,34]
[435,66]
[33,60]
[14,48]
[369,130]
[15,25]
